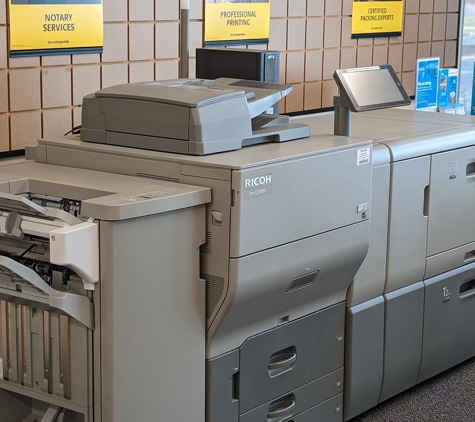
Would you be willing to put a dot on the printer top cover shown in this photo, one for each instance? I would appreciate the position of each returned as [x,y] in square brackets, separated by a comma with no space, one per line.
[186,116]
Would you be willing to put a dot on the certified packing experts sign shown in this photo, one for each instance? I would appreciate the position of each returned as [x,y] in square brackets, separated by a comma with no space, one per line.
[372,18]
[49,27]
[236,22]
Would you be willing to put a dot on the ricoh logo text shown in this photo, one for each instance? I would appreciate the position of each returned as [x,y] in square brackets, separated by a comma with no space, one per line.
[257,181]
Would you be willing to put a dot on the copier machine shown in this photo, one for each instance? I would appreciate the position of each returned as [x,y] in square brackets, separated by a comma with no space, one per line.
[97,309]
[286,230]
[410,308]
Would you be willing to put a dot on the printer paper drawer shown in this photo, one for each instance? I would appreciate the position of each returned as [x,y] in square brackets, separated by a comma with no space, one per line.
[299,400]
[328,411]
[449,312]
[449,260]
[290,356]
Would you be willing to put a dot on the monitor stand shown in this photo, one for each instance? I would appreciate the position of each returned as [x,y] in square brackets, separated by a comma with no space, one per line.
[342,122]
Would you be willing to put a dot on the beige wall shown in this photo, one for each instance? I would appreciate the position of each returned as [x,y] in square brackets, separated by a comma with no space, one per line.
[41,97]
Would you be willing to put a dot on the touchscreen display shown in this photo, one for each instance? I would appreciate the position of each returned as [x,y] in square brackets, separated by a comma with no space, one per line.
[373,87]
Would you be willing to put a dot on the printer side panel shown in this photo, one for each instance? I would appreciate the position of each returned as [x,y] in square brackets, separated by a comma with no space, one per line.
[407,223]
[371,277]
[219,127]
[214,257]
[153,318]
[93,121]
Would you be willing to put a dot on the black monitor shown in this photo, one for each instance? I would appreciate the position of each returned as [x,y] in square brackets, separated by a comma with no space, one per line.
[371,88]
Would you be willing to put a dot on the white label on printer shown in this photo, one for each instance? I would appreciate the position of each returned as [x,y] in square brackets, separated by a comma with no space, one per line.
[364,156]
[1,368]
[257,186]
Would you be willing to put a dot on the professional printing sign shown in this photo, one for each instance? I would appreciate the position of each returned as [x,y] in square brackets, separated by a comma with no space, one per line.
[372,18]
[49,27]
[427,84]
[237,22]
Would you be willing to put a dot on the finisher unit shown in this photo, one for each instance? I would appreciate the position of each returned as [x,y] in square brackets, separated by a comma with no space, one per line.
[286,231]
[92,298]
[410,308]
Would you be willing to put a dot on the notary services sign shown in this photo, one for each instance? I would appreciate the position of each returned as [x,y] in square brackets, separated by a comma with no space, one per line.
[48,27]
[237,21]
[373,18]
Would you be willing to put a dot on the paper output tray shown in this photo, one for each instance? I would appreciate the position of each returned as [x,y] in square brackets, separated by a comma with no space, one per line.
[78,307]
[20,204]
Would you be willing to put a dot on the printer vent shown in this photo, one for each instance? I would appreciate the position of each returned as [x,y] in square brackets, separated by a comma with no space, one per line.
[206,247]
[214,291]
[157,177]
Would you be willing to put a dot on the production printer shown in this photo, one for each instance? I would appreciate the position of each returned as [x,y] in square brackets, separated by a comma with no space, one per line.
[410,308]
[97,309]
[286,230]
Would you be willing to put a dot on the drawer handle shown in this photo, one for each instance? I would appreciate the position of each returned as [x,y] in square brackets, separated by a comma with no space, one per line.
[469,256]
[470,169]
[467,289]
[281,410]
[282,361]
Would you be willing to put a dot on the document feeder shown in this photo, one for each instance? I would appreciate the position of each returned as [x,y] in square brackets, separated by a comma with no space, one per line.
[194,117]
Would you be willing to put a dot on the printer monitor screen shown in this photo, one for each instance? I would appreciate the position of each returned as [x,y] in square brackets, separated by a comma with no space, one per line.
[371,88]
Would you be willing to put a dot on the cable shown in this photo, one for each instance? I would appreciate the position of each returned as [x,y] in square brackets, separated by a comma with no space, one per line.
[26,251]
[75,131]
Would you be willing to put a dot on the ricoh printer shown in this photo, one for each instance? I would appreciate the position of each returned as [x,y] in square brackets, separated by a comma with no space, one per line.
[286,230]
[410,305]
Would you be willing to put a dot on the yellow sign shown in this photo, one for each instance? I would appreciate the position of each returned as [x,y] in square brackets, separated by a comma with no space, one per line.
[237,22]
[377,18]
[38,27]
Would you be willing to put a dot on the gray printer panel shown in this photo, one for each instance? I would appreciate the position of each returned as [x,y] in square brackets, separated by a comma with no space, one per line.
[451,204]
[153,324]
[370,280]
[272,287]
[214,258]
[283,202]
[146,118]
[407,223]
